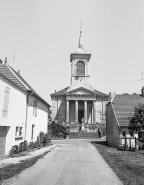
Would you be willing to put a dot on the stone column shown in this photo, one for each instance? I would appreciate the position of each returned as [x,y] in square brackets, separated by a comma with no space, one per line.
[85,70]
[76,111]
[88,68]
[94,112]
[67,111]
[102,110]
[85,111]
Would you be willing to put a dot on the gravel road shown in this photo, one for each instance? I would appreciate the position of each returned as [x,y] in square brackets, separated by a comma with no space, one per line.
[72,162]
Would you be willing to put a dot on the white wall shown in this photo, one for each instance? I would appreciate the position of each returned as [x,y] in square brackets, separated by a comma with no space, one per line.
[112,127]
[40,121]
[16,113]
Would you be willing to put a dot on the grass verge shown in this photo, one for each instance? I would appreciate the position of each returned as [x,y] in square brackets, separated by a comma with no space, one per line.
[128,165]
[11,170]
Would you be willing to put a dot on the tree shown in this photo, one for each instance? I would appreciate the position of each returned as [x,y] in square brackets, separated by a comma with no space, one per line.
[136,122]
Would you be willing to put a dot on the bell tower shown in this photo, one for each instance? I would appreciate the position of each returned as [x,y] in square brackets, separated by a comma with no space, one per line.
[80,66]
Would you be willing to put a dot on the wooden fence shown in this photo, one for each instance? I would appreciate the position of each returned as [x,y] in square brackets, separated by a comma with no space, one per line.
[130,143]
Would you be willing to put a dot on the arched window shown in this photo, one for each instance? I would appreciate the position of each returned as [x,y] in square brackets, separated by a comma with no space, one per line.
[80,70]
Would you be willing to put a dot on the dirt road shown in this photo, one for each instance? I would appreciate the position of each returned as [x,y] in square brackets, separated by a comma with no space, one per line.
[72,162]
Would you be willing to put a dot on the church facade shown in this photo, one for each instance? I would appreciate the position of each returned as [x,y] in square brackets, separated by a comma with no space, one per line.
[79,102]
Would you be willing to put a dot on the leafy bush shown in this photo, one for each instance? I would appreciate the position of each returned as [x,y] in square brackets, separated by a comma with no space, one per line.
[31,145]
[56,130]
[23,146]
[14,150]
[42,140]
[36,144]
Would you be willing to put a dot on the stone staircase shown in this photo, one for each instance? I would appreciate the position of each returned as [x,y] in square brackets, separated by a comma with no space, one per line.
[83,135]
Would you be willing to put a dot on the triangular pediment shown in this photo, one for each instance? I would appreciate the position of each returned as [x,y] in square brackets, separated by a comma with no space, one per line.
[80,91]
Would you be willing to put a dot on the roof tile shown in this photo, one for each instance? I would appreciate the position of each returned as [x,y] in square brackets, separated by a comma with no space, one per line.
[15,78]
[124,106]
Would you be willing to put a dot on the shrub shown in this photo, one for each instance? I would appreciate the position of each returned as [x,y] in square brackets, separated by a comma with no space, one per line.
[31,146]
[57,130]
[23,146]
[42,140]
[14,150]
[36,144]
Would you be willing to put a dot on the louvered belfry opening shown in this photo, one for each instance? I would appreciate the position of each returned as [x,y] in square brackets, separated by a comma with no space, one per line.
[80,70]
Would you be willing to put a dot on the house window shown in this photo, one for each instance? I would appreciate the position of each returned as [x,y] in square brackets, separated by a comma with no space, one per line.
[35,108]
[124,133]
[132,133]
[32,132]
[19,132]
[80,70]
[6,101]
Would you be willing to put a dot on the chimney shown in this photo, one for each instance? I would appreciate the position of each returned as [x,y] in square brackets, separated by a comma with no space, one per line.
[5,59]
[19,71]
[142,92]
[1,62]
[55,91]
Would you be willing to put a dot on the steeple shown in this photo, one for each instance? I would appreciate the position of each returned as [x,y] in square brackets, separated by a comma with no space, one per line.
[80,44]
[80,49]
[80,66]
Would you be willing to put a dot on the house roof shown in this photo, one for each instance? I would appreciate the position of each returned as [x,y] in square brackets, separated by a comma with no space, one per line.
[124,106]
[16,79]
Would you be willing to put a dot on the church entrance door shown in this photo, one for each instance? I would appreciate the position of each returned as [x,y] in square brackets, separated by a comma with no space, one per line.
[80,115]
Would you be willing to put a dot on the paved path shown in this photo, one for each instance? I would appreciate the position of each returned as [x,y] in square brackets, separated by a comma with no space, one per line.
[72,162]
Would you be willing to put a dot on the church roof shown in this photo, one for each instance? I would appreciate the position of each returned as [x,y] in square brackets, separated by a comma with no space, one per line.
[63,91]
[16,79]
[60,93]
[100,93]
[123,106]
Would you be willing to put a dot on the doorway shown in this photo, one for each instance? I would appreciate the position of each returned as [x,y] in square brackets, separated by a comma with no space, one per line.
[80,115]
[3,131]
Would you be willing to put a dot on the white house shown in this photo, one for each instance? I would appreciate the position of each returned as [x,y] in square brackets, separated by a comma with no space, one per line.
[23,113]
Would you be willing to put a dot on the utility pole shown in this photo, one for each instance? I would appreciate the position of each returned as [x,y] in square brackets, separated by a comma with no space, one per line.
[141,78]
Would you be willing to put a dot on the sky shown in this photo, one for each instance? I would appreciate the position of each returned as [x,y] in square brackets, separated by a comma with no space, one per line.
[37,37]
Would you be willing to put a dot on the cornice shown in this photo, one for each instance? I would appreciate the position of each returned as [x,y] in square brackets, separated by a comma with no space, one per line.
[74,56]
[79,89]
[74,97]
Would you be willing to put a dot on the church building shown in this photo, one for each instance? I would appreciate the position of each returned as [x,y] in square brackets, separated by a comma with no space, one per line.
[79,102]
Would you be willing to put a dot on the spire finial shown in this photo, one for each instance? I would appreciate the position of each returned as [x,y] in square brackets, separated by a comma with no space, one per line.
[80,45]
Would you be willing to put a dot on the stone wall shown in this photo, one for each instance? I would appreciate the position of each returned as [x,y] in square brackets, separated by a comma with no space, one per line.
[59,109]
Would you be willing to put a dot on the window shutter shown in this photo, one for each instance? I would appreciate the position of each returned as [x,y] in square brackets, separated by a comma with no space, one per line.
[35,103]
[6,101]
[35,107]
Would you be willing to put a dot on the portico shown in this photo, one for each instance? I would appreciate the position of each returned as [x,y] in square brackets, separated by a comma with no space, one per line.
[84,104]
